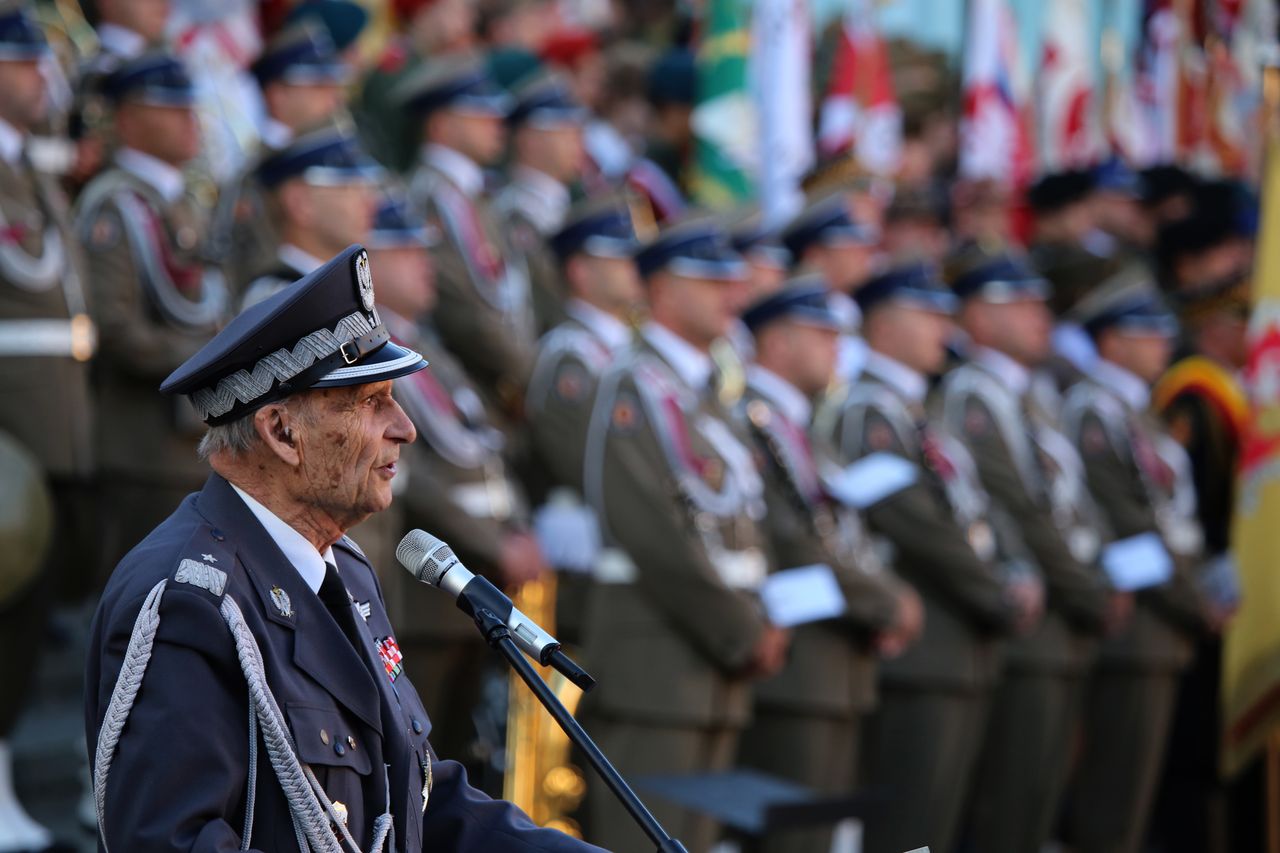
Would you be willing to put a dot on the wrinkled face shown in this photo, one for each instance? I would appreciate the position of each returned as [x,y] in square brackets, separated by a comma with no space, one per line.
[1021,330]
[912,334]
[405,280]
[349,443]
[22,93]
[171,134]
[1144,354]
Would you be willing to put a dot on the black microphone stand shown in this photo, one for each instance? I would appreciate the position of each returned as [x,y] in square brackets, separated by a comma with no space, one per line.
[498,635]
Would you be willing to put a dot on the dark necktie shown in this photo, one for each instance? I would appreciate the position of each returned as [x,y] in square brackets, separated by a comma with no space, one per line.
[333,593]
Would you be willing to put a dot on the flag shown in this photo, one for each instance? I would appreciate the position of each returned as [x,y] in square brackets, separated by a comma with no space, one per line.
[781,58]
[724,118]
[860,106]
[995,140]
[1251,646]
[1159,79]
[1070,135]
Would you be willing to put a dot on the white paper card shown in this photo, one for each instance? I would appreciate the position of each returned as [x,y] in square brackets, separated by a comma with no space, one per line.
[871,479]
[805,594]
[1137,562]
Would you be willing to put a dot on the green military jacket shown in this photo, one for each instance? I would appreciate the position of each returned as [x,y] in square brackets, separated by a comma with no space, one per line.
[932,525]
[46,335]
[831,668]
[156,302]
[674,616]
[1030,471]
[1140,479]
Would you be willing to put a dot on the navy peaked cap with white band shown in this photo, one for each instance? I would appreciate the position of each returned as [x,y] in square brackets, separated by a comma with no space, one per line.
[21,40]
[302,54]
[155,78]
[326,157]
[697,248]
[322,331]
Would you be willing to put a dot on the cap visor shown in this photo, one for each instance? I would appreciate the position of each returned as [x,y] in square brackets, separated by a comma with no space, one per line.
[391,361]
[726,269]
[317,75]
[610,247]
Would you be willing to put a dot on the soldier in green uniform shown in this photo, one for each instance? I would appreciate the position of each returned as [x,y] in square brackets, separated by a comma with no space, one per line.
[303,86]
[923,501]
[46,423]
[546,161]
[457,486]
[674,617]
[1031,471]
[485,311]
[155,297]
[808,718]
[320,198]
[1141,480]
[594,250]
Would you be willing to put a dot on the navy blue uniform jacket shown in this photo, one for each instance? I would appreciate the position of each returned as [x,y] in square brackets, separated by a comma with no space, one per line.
[180,773]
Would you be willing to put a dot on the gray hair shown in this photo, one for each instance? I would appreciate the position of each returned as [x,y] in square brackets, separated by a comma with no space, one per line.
[234,438]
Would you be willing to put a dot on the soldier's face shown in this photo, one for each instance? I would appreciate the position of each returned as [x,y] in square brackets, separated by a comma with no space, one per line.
[1144,354]
[1020,330]
[700,309]
[301,107]
[812,352]
[846,265]
[480,136]
[349,445]
[614,283]
[148,18]
[22,93]
[555,150]
[171,134]
[911,334]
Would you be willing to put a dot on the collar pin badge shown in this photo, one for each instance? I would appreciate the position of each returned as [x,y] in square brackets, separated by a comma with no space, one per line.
[280,599]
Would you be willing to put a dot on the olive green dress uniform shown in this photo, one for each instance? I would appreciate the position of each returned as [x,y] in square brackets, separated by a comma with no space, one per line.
[571,359]
[156,302]
[532,207]
[674,616]
[484,313]
[1141,482]
[46,340]
[1032,472]
[458,488]
[808,717]
[923,739]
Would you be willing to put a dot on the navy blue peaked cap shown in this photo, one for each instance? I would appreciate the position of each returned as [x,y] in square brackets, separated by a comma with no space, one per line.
[21,39]
[1003,278]
[155,78]
[806,299]
[914,284]
[302,54]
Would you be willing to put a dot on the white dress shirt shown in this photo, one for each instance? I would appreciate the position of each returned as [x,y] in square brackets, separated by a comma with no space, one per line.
[460,168]
[611,331]
[909,383]
[309,562]
[692,365]
[159,175]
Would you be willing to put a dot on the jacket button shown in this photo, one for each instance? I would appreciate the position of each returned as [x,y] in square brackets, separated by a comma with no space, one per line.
[217,535]
[324,737]
[339,749]
[417,727]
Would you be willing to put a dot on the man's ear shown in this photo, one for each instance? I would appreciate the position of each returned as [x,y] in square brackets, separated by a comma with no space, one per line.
[279,431]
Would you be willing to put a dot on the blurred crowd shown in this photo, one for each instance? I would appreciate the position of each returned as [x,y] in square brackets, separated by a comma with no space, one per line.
[924,490]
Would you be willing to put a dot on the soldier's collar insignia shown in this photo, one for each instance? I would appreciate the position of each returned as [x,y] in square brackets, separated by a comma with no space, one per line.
[365,608]
[199,574]
[280,599]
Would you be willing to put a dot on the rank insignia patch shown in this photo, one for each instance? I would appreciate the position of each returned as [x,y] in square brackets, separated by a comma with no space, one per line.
[281,600]
[626,413]
[389,651]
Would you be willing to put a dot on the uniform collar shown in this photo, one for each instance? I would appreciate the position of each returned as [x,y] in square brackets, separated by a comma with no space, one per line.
[11,142]
[304,262]
[460,168]
[302,554]
[553,196]
[788,398]
[1008,371]
[159,175]
[907,382]
[608,328]
[693,366]
[1129,387]
[121,41]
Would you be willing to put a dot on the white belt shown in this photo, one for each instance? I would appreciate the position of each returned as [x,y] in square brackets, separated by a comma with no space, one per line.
[490,499]
[75,338]
[738,569]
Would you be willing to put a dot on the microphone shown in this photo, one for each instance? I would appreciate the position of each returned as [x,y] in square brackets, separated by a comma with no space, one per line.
[433,562]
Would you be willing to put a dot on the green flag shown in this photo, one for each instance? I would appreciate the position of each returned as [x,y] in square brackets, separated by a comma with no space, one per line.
[724,118]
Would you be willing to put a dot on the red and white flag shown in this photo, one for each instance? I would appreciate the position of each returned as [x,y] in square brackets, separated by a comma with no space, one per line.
[860,107]
[1070,133]
[995,136]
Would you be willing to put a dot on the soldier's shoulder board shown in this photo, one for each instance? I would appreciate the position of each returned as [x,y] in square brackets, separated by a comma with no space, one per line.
[205,562]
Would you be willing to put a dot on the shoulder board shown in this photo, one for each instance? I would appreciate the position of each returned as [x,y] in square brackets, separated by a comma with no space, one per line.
[1202,377]
[206,561]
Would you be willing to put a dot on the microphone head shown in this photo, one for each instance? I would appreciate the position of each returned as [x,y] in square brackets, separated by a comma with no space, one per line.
[426,557]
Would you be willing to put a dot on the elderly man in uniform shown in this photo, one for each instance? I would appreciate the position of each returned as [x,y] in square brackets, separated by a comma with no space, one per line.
[46,340]
[547,158]
[485,313]
[261,670]
[154,296]
[594,250]
[675,616]
[302,80]
[1142,481]
[923,500]
[809,717]
[1032,473]
[320,194]
[458,487]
